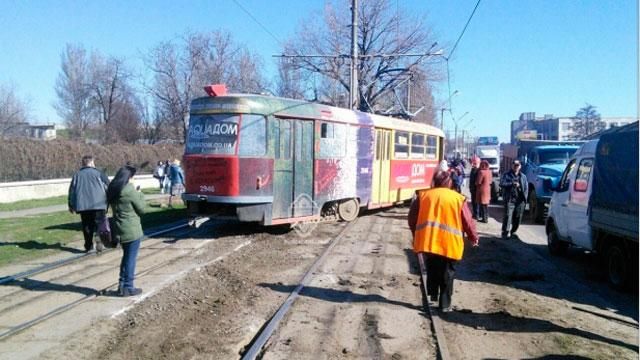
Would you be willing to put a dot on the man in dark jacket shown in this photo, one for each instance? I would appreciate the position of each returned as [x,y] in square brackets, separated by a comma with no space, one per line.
[88,197]
[515,190]
[475,162]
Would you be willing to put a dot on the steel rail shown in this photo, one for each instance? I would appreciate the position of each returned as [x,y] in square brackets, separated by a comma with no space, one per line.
[25,325]
[92,276]
[441,342]
[267,330]
[71,259]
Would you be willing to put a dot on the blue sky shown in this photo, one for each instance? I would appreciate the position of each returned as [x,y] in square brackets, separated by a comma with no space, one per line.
[550,57]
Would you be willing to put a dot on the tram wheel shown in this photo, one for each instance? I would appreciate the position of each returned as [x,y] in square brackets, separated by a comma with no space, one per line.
[348,209]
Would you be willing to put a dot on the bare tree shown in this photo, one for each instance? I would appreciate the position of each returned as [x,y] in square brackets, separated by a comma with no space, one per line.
[13,111]
[72,88]
[381,31]
[126,126]
[108,85]
[181,70]
[587,121]
[290,83]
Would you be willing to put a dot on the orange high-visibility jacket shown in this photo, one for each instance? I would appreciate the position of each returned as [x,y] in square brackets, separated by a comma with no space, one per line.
[439,225]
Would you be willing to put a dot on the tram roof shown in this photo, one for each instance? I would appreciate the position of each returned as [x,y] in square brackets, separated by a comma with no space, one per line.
[277,106]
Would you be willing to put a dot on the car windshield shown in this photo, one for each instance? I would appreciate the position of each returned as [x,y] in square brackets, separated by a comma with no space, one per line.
[556,156]
[491,161]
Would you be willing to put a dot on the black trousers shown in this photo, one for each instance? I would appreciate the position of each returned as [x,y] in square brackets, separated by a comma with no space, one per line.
[512,217]
[483,213]
[440,274]
[90,221]
[474,204]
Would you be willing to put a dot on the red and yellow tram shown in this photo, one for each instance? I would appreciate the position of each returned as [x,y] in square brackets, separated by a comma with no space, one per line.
[274,160]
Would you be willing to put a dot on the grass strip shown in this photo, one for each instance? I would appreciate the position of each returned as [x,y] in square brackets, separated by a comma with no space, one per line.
[27,238]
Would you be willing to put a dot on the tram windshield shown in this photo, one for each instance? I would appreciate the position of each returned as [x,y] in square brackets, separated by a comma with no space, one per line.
[217,134]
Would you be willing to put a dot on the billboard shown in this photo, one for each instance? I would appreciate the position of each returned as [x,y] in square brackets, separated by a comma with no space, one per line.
[527,135]
[488,140]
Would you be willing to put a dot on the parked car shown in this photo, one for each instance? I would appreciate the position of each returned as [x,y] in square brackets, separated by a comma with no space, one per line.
[595,204]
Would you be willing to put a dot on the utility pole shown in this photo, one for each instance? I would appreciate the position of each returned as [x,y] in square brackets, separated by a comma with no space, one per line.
[353,86]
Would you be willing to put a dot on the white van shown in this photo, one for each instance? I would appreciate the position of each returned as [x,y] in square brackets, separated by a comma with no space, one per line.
[568,221]
[595,205]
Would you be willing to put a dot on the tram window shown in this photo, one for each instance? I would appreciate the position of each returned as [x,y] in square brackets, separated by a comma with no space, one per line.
[333,140]
[212,134]
[417,146]
[253,138]
[432,147]
[401,145]
[327,131]
[285,138]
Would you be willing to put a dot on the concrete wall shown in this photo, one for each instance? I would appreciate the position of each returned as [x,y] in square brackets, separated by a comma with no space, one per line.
[40,189]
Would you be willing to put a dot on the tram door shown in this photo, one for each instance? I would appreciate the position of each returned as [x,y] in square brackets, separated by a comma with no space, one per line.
[293,168]
[282,169]
[381,167]
[303,169]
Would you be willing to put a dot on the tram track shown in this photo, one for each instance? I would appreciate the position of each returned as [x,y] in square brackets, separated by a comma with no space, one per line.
[23,325]
[260,343]
[62,262]
[257,344]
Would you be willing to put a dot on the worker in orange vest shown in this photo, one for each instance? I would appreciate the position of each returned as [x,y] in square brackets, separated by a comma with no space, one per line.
[438,218]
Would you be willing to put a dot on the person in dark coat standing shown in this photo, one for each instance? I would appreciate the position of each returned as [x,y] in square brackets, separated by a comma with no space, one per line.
[483,190]
[88,197]
[475,162]
[515,190]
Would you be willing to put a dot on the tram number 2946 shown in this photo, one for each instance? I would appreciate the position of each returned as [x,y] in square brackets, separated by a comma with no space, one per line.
[207,188]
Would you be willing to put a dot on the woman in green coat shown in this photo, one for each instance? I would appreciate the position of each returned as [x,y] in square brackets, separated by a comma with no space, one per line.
[127,204]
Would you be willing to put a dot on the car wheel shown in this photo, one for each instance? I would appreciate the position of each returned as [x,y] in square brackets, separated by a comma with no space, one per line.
[617,267]
[348,210]
[555,246]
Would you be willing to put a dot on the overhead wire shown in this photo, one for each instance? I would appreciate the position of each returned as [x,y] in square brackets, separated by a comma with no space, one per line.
[451,53]
[258,22]
[464,29]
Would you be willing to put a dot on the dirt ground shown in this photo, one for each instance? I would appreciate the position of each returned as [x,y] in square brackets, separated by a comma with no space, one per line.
[510,302]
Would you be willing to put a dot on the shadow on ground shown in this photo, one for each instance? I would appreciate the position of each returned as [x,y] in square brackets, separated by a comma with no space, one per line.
[36,245]
[502,321]
[337,296]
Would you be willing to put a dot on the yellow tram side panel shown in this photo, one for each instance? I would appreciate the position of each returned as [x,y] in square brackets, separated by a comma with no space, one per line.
[381,193]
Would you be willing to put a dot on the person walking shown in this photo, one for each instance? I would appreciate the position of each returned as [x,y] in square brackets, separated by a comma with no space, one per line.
[475,161]
[438,218]
[127,204]
[176,176]
[167,181]
[483,185]
[87,197]
[159,174]
[515,190]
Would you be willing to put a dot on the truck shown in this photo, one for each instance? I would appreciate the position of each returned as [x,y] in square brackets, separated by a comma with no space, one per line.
[487,148]
[595,204]
[542,162]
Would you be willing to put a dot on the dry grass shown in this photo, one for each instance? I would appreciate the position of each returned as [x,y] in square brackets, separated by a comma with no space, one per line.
[23,159]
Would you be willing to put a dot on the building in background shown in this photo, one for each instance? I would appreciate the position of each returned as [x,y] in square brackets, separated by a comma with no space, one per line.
[40,132]
[549,127]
